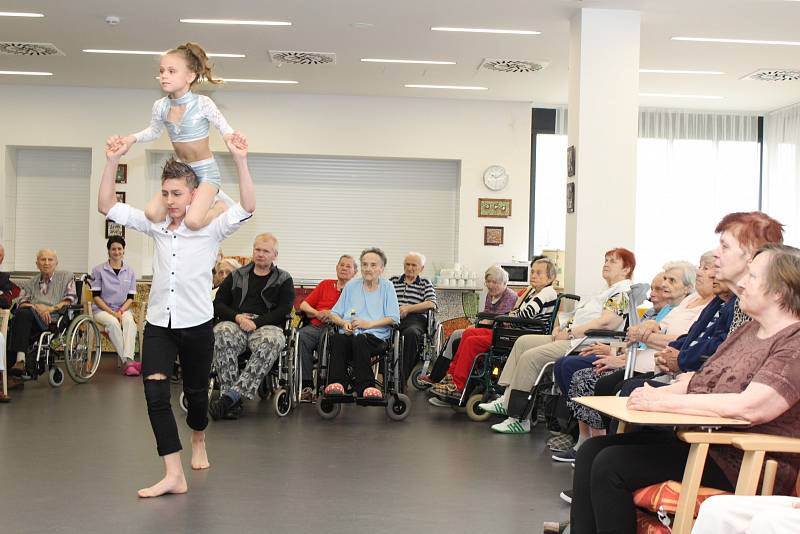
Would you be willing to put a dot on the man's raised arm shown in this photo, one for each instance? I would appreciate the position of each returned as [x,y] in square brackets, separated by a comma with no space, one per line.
[247,192]
[106,196]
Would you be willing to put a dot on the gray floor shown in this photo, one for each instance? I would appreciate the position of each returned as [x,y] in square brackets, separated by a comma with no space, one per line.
[73,458]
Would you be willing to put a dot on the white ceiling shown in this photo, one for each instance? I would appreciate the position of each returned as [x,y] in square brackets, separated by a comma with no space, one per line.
[401,30]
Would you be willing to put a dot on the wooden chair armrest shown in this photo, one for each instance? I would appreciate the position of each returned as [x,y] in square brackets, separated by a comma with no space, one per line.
[712,438]
[767,443]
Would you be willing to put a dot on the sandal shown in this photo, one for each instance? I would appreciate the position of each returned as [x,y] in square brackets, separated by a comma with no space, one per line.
[372,393]
[334,389]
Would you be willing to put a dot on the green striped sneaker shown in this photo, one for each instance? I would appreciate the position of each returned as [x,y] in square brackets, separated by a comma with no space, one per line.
[496,407]
[513,425]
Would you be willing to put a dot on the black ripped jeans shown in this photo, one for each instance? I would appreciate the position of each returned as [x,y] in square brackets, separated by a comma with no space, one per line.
[195,348]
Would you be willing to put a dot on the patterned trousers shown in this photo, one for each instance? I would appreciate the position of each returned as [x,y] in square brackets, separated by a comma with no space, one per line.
[265,344]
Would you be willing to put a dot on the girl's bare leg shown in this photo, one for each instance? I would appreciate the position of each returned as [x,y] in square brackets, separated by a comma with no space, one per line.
[203,210]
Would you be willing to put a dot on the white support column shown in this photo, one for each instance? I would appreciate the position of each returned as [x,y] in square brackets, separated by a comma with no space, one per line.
[603,124]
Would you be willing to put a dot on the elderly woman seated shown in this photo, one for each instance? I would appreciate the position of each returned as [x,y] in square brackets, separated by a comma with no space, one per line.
[653,337]
[531,353]
[538,302]
[753,376]
[365,314]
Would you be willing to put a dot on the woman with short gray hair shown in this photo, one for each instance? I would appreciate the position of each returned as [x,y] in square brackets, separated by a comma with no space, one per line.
[537,302]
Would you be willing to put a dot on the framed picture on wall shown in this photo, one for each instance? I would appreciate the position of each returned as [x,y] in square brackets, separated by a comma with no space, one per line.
[122,173]
[492,236]
[571,161]
[571,197]
[121,196]
[494,207]
[114,229]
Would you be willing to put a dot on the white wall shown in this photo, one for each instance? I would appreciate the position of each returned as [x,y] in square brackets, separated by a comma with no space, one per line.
[476,133]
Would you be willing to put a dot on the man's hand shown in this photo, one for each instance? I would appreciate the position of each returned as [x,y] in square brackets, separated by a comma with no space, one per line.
[361,323]
[597,349]
[43,311]
[667,360]
[117,146]
[348,328]
[608,363]
[245,323]
[237,145]
[404,310]
[323,316]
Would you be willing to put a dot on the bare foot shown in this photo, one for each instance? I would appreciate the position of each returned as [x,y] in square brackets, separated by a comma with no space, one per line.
[168,484]
[199,456]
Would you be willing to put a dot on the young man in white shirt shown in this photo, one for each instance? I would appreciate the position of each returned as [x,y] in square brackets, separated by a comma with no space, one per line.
[179,311]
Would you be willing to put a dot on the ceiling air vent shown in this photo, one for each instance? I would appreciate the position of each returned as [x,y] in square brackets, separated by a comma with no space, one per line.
[774,75]
[29,49]
[296,57]
[512,65]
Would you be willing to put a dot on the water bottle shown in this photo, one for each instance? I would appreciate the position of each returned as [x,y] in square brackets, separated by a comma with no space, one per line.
[356,331]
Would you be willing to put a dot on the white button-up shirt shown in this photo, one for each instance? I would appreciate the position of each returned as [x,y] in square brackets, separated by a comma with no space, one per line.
[180,296]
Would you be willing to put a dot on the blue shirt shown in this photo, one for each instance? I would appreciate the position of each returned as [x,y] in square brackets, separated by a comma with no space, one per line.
[705,335]
[356,302]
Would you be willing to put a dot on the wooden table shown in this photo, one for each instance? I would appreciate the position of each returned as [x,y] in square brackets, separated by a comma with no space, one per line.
[616,407]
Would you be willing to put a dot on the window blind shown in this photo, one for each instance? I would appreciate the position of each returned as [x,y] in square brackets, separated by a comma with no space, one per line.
[323,207]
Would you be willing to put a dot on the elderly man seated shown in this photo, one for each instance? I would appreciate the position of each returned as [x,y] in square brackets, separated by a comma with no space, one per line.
[318,307]
[252,305]
[40,299]
[415,296]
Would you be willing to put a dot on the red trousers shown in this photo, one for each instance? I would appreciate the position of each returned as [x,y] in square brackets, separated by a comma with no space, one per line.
[474,341]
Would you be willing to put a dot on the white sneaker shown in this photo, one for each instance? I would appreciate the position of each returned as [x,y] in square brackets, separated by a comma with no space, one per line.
[439,403]
[496,407]
[512,425]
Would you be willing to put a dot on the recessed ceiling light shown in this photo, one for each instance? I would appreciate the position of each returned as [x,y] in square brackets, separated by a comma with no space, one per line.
[462,87]
[415,61]
[241,22]
[736,41]
[25,73]
[669,95]
[484,30]
[15,14]
[149,53]
[253,80]
[668,71]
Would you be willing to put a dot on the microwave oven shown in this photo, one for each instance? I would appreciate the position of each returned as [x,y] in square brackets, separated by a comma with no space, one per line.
[518,271]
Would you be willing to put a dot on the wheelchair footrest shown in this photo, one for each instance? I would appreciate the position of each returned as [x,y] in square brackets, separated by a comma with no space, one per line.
[364,401]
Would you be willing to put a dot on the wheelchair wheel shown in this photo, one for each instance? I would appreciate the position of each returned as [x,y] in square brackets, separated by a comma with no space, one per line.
[55,377]
[282,402]
[398,407]
[82,349]
[473,411]
[184,402]
[327,409]
[420,386]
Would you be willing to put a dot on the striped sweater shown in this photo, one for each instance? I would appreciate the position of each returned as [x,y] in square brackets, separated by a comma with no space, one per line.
[532,305]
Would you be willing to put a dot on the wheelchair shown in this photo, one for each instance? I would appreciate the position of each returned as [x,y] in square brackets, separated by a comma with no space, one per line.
[388,365]
[432,345]
[281,383]
[546,392]
[481,383]
[72,338]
